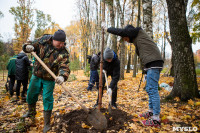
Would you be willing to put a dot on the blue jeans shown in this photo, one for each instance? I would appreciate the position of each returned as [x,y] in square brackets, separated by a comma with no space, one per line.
[94,78]
[153,76]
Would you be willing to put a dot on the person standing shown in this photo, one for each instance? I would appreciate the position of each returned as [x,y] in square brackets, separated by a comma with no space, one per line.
[152,61]
[94,76]
[11,67]
[52,51]
[22,64]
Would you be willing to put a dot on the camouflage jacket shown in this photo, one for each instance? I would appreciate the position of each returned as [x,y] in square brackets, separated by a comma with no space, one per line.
[56,59]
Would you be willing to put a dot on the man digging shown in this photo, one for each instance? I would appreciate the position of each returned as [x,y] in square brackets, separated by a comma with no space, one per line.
[51,50]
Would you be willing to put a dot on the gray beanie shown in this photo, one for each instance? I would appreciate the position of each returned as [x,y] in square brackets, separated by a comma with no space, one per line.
[108,54]
[59,36]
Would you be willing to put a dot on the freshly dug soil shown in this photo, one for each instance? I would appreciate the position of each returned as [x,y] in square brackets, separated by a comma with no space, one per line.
[73,121]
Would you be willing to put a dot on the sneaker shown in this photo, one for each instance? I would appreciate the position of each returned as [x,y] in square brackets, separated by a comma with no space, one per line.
[95,105]
[151,123]
[114,105]
[146,115]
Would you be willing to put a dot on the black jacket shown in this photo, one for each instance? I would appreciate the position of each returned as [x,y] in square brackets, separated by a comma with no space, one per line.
[22,63]
[94,63]
[112,69]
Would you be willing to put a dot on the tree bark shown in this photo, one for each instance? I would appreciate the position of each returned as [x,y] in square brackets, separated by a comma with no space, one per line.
[129,60]
[185,82]
[110,4]
[135,55]
[147,17]
[122,47]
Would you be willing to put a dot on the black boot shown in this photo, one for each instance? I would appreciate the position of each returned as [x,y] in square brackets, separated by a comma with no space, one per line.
[47,117]
[31,111]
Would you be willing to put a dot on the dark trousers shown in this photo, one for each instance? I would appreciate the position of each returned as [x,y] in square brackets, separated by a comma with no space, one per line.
[94,78]
[11,84]
[24,83]
[114,95]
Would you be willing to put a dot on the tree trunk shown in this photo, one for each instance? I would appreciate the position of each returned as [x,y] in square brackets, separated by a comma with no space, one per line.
[129,60]
[172,67]
[122,48]
[147,17]
[3,74]
[185,82]
[135,55]
[135,65]
[112,20]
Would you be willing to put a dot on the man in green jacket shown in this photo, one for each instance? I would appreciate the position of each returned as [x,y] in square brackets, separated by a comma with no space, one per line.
[11,67]
[52,51]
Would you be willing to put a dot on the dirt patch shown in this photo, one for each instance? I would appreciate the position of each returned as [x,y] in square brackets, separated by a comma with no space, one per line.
[74,121]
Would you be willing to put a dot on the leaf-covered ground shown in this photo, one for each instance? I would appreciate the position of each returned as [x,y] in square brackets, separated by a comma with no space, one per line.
[69,117]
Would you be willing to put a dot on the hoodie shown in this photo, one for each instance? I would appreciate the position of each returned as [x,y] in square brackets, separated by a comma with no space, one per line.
[146,49]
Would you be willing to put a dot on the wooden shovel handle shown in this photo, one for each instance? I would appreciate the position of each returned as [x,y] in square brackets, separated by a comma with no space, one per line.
[63,86]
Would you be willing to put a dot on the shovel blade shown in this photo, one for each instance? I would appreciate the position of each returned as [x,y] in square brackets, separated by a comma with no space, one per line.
[97,119]
[110,108]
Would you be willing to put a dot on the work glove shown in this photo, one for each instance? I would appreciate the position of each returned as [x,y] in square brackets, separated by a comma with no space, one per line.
[103,25]
[109,91]
[59,80]
[29,48]
[104,71]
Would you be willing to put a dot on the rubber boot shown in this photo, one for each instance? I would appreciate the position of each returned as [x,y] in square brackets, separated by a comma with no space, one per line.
[31,111]
[47,117]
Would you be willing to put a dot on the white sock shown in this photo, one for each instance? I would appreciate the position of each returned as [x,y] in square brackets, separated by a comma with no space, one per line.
[156,117]
[150,110]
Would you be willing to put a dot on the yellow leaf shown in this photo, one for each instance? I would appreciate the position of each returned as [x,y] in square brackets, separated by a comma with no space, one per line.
[85,126]
[38,114]
[187,117]
[164,117]
[133,126]
[177,99]
[191,102]
[125,125]
[197,103]
[6,98]
[62,111]
[170,117]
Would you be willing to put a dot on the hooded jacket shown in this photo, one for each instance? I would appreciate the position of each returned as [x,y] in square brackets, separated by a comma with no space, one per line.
[112,68]
[146,49]
[11,67]
[22,63]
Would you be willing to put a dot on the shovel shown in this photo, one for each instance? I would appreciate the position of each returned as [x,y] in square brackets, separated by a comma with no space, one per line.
[94,117]
[109,94]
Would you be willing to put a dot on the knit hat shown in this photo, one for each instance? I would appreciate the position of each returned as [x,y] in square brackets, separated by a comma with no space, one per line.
[59,36]
[108,54]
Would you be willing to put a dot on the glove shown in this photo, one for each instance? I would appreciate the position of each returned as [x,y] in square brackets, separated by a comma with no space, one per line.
[103,25]
[29,48]
[59,80]
[109,91]
[104,71]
